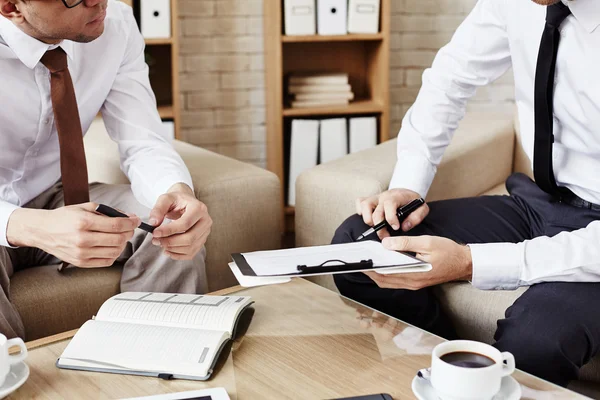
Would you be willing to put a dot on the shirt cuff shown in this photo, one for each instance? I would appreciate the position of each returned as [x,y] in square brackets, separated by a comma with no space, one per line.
[497,266]
[414,172]
[6,210]
[163,185]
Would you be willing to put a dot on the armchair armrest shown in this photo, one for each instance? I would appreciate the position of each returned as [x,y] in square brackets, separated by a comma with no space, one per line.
[479,158]
[243,200]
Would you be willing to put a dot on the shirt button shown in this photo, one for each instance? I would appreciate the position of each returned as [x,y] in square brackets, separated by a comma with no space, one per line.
[46,121]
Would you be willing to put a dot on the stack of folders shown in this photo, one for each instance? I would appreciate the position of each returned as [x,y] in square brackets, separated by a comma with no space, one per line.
[319,90]
[331,17]
[320,141]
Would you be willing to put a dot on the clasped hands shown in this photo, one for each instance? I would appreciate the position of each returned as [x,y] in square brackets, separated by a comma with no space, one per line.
[83,238]
[450,261]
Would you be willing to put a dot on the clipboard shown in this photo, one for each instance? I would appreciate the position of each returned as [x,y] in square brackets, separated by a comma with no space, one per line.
[247,276]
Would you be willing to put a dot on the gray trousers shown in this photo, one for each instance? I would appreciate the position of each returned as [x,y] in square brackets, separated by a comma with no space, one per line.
[145,267]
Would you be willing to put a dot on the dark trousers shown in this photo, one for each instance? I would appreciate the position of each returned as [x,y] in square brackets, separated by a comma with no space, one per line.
[552,329]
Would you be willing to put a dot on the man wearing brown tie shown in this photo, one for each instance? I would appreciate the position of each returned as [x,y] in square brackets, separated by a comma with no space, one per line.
[62,62]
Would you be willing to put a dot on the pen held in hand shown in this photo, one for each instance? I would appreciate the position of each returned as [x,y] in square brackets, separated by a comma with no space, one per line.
[111,212]
[402,213]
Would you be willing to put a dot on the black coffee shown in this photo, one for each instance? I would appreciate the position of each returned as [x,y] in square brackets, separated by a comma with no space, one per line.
[467,359]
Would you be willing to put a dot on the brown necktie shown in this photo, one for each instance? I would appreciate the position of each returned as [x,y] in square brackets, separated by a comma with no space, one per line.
[73,167]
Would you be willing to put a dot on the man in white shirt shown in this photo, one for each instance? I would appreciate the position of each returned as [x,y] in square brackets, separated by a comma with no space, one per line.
[546,234]
[63,62]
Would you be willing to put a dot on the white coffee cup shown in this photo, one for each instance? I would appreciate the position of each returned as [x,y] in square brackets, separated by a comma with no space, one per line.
[453,382]
[7,360]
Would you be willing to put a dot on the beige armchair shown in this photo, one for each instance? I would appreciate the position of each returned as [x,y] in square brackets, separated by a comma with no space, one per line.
[484,152]
[243,201]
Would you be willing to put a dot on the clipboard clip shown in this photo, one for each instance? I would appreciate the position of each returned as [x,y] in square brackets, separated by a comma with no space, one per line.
[342,267]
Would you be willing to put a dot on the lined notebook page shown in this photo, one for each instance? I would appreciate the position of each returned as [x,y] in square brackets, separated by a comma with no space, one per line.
[281,262]
[145,347]
[177,310]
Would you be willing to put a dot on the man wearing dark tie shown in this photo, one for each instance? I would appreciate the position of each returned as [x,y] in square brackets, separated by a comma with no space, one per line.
[63,62]
[546,234]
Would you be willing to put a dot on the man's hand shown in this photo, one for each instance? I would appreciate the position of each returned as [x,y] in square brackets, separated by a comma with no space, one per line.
[375,208]
[75,234]
[183,238]
[450,261]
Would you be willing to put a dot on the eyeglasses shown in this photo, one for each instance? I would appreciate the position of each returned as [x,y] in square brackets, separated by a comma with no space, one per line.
[72,3]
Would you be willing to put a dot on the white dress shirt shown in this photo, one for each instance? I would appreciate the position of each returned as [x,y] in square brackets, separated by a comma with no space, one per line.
[499,34]
[109,75]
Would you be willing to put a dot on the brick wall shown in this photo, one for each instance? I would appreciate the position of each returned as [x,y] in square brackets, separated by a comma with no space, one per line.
[419,29]
[222,69]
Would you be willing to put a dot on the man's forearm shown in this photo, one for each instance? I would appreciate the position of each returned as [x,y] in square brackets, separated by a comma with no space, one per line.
[23,226]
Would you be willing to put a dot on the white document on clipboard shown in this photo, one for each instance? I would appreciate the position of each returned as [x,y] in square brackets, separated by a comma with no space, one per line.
[278,266]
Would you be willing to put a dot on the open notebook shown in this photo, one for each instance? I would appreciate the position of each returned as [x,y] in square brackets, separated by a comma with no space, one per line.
[158,334]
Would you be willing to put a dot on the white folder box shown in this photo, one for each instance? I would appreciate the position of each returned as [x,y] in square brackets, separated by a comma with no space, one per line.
[300,17]
[169,128]
[304,146]
[363,16]
[155,19]
[332,17]
[333,139]
[363,133]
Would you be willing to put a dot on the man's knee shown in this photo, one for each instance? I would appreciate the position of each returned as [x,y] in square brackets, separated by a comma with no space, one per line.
[543,345]
[350,229]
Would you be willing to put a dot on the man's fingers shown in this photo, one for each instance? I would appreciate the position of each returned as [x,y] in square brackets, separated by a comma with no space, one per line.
[390,208]
[367,212]
[358,205]
[93,239]
[101,223]
[417,244]
[383,233]
[189,238]
[182,225]
[378,214]
[415,218]
[161,209]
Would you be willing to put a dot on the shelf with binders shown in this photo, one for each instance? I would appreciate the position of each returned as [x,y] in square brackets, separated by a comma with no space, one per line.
[362,59]
[313,152]
[350,37]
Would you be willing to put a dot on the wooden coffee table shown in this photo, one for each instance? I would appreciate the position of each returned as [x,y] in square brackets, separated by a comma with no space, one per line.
[305,342]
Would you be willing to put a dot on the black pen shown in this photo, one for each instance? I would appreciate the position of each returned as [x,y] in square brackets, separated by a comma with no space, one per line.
[402,213]
[111,212]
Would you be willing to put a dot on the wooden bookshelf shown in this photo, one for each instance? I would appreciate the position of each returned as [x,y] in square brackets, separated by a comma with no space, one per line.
[162,56]
[364,57]
[332,38]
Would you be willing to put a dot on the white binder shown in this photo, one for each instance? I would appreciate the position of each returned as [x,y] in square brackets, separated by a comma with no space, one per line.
[363,16]
[169,128]
[333,139]
[332,16]
[155,19]
[300,17]
[363,133]
[303,152]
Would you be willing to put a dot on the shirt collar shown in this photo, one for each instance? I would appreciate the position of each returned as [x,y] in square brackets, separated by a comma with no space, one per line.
[586,12]
[28,49]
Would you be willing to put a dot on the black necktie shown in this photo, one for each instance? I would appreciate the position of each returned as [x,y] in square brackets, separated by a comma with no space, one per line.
[544,97]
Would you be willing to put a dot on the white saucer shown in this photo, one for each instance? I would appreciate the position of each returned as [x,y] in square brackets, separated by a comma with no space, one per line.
[17,375]
[509,390]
